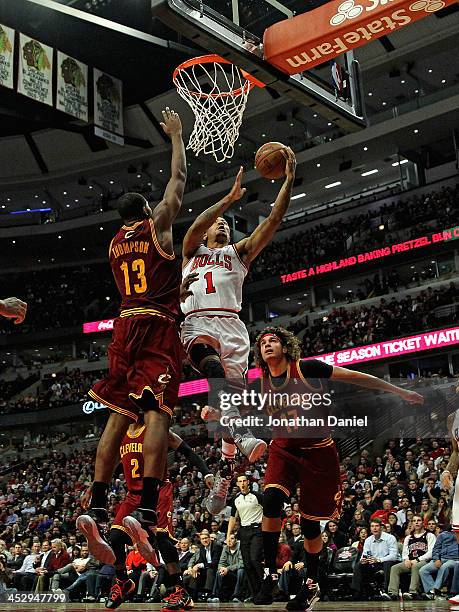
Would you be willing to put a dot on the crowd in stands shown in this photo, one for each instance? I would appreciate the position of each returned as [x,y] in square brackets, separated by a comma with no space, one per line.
[408,218]
[395,491]
[73,295]
[346,327]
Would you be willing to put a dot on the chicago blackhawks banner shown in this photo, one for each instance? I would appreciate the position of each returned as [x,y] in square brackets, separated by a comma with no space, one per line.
[108,107]
[6,56]
[72,86]
[35,70]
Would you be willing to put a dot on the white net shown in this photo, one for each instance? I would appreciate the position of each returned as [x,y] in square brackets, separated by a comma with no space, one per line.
[217,93]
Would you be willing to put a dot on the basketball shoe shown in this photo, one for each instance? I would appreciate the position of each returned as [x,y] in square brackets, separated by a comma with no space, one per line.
[216,501]
[118,593]
[141,528]
[309,594]
[264,597]
[93,526]
[179,599]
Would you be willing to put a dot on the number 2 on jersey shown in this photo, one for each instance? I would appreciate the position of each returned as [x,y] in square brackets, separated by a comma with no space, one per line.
[137,266]
[135,468]
[210,287]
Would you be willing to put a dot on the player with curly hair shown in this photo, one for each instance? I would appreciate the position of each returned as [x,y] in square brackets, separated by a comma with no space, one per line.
[296,458]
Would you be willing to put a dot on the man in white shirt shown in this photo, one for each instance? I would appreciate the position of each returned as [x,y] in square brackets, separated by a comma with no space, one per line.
[24,577]
[380,552]
[417,551]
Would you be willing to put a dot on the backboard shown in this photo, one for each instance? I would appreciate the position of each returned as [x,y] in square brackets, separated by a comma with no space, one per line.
[234,29]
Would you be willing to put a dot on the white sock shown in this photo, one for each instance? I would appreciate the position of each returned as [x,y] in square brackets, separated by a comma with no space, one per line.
[228,450]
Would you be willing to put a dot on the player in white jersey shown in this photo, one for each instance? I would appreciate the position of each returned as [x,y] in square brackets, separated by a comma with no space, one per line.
[214,337]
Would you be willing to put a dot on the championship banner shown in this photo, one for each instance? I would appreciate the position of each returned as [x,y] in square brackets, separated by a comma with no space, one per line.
[72,86]
[6,56]
[309,39]
[35,70]
[108,107]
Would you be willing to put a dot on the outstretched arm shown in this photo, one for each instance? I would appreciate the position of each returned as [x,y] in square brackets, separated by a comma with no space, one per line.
[165,212]
[372,382]
[176,443]
[201,224]
[250,247]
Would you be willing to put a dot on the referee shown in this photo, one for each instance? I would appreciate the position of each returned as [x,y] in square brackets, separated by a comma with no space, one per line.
[248,507]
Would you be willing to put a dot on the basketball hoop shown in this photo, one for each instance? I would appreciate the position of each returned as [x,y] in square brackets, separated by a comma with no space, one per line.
[217,92]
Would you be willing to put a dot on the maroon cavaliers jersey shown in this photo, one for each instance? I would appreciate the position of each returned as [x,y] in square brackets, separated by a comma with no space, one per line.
[302,378]
[147,278]
[131,453]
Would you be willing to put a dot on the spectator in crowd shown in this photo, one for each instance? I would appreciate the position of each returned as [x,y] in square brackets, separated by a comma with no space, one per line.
[416,553]
[336,537]
[55,560]
[445,556]
[360,542]
[229,582]
[380,552]
[202,568]
[69,573]
[24,577]
[17,558]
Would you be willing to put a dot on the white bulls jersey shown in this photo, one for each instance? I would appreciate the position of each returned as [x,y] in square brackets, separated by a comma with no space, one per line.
[219,286]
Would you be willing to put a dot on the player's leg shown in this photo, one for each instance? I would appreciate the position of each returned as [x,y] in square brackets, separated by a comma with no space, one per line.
[178,597]
[309,593]
[93,523]
[274,498]
[122,585]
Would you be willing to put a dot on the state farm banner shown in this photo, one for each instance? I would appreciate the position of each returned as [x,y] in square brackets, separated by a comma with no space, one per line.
[300,43]
[108,107]
[6,56]
[35,70]
[72,86]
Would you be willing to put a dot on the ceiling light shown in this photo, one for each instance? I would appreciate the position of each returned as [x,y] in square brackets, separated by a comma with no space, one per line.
[338,286]
[403,81]
[287,299]
[430,70]
[43,201]
[401,162]
[370,93]
[369,172]
[298,196]
[329,123]
[111,182]
[68,205]
[381,227]
[263,135]
[64,193]
[415,131]
[335,184]
[190,210]
[14,241]
[443,81]
[139,176]
[384,103]
[416,91]
[83,249]
[90,187]
[101,228]
[59,237]
[36,196]
[291,125]
[318,165]
[315,115]
[365,148]
[107,297]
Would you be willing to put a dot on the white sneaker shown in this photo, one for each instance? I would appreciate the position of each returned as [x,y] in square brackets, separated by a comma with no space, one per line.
[253,448]
[454,600]
[216,501]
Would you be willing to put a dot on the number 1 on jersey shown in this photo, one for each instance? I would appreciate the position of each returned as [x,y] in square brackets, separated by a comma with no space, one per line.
[210,288]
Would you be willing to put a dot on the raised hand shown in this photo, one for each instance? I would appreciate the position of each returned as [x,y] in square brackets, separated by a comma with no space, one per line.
[290,163]
[171,123]
[185,286]
[237,191]
[13,308]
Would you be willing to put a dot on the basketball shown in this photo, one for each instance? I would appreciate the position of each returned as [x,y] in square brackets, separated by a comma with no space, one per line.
[270,161]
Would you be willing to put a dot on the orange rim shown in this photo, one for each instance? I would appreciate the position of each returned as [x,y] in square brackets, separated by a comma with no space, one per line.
[216,59]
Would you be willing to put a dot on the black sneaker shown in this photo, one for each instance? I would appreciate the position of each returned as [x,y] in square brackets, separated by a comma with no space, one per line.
[93,526]
[264,597]
[141,528]
[309,594]
[118,593]
[179,599]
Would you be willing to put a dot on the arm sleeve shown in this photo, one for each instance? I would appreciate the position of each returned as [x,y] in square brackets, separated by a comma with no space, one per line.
[259,497]
[194,459]
[405,548]
[392,554]
[314,368]
[430,544]
[233,507]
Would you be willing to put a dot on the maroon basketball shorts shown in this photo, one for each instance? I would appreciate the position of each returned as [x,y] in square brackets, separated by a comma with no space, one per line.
[163,509]
[145,361]
[315,469]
